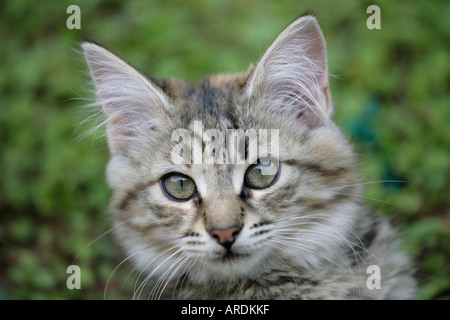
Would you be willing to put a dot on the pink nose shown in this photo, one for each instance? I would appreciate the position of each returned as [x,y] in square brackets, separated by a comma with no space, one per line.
[227,236]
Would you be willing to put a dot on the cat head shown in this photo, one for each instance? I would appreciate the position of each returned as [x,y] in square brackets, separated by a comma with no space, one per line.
[230,176]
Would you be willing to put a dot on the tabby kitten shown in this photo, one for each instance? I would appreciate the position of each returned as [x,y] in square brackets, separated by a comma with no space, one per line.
[220,230]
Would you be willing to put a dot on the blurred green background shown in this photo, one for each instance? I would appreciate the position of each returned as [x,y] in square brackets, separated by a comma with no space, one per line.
[390,86]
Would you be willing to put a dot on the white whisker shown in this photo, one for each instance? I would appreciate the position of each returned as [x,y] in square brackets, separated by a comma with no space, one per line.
[117,268]
[162,282]
[365,183]
[183,274]
[365,197]
[145,281]
[305,248]
[97,239]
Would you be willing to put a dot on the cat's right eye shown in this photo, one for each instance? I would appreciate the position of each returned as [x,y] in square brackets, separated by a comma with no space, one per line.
[177,186]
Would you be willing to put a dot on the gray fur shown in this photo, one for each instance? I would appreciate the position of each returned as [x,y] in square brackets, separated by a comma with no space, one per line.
[308,236]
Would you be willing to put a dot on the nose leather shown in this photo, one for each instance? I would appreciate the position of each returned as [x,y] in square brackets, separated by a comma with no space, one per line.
[226,236]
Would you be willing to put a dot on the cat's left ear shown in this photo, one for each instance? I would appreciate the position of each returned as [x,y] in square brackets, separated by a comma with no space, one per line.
[292,75]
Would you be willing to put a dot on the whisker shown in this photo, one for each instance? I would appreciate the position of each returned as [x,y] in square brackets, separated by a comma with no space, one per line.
[311,241]
[183,274]
[157,287]
[340,255]
[296,254]
[365,197]
[186,275]
[117,268]
[345,241]
[335,234]
[145,281]
[305,248]
[97,239]
[365,183]
[159,255]
[281,259]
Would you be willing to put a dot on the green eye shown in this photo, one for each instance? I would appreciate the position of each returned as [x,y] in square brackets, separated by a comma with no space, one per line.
[177,186]
[261,175]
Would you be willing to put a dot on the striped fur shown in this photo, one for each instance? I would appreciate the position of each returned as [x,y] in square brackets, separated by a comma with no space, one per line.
[307,236]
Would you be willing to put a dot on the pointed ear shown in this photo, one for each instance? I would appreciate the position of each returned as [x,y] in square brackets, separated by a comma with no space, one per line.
[131,103]
[292,75]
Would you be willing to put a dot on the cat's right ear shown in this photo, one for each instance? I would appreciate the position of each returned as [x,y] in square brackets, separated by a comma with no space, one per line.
[132,104]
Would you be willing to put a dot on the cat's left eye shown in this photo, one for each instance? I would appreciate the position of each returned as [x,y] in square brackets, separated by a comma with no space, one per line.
[261,175]
[179,187]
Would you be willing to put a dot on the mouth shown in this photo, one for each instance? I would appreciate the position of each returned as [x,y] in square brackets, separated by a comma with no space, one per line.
[230,257]
[232,265]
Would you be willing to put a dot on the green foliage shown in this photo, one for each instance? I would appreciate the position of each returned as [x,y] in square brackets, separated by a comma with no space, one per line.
[391,90]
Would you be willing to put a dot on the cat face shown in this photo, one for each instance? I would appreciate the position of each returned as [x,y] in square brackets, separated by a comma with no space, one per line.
[199,216]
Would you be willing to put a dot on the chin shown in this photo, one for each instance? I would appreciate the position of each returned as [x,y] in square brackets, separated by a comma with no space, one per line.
[227,267]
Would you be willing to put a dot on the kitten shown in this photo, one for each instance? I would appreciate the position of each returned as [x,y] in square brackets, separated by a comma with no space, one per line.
[289,225]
